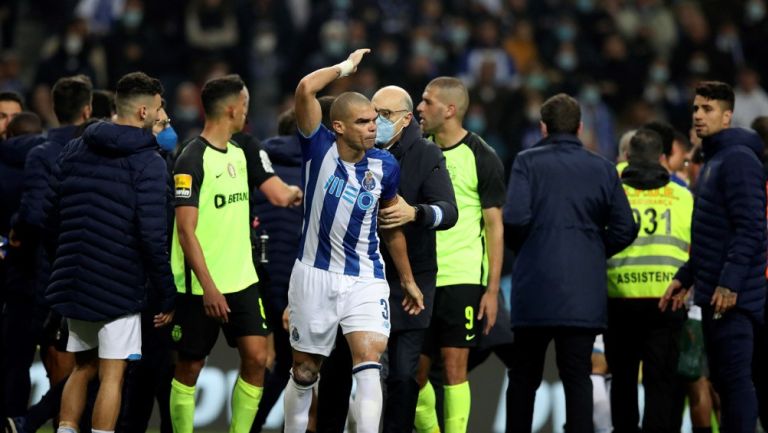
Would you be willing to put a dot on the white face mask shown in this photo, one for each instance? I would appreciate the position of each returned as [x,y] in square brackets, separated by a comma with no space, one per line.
[73,44]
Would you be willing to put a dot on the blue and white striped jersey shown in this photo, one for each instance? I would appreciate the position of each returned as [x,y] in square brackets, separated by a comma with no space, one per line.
[341,203]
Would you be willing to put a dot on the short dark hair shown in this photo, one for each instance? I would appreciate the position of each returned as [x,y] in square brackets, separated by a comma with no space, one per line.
[666,133]
[218,89]
[286,122]
[103,104]
[562,114]
[645,146]
[340,108]
[683,140]
[13,97]
[70,95]
[134,85]
[24,123]
[760,125]
[717,91]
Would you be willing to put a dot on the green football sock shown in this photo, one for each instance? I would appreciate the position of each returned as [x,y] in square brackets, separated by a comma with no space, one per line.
[457,403]
[245,404]
[426,417]
[182,407]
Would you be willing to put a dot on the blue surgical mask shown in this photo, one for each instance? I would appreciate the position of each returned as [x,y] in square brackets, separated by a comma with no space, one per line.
[385,130]
[167,139]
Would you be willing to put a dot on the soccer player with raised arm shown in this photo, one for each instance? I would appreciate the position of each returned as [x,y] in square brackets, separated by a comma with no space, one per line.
[338,277]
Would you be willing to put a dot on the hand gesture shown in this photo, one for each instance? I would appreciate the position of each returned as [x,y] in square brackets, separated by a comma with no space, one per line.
[396,215]
[357,56]
[675,294]
[489,307]
[723,300]
[215,305]
[413,301]
[163,319]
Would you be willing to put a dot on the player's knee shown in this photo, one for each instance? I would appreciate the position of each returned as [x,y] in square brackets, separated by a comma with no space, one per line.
[455,373]
[187,370]
[255,363]
[305,374]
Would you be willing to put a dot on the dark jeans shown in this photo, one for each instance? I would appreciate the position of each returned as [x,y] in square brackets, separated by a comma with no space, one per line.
[334,388]
[276,379]
[759,373]
[638,331]
[21,332]
[402,390]
[573,347]
[729,344]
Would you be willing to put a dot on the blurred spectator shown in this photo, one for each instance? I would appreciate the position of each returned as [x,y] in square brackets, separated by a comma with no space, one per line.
[187,113]
[598,122]
[10,105]
[751,99]
[486,51]
[521,45]
[10,70]
[621,75]
[100,15]
[760,125]
[71,53]
[134,44]
[212,30]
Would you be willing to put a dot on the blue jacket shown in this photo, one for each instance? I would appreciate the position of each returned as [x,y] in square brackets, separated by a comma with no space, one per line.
[28,222]
[283,225]
[728,235]
[109,213]
[13,153]
[566,213]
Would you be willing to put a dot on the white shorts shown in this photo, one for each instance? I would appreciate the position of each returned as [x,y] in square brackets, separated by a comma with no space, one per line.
[116,339]
[319,301]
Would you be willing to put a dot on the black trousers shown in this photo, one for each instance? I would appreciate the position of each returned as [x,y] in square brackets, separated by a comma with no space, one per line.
[759,373]
[334,388]
[402,390]
[573,347]
[22,330]
[275,380]
[638,332]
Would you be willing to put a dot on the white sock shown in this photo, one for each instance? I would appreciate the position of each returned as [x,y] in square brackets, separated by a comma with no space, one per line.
[601,415]
[93,430]
[297,400]
[66,430]
[368,398]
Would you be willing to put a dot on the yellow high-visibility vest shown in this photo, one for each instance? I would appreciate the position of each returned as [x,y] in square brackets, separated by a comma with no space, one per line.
[645,268]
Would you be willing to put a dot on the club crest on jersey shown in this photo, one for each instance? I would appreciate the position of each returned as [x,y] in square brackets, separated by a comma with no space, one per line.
[369,183]
[231,170]
[295,334]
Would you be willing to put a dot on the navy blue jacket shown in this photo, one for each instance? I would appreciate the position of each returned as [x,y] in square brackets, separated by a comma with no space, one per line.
[728,235]
[109,212]
[28,222]
[13,153]
[283,225]
[566,213]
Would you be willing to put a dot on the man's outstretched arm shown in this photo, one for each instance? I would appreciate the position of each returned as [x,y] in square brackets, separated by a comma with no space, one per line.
[308,113]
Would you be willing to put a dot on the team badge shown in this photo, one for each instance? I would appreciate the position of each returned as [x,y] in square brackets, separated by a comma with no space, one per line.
[295,334]
[231,170]
[176,333]
[369,183]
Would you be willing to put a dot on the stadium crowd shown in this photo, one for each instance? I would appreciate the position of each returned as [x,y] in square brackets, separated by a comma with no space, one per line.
[646,182]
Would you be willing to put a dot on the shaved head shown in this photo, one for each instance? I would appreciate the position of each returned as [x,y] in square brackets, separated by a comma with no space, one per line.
[392,92]
[343,107]
[451,91]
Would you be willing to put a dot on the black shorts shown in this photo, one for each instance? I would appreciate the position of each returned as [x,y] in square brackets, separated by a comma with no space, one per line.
[454,318]
[194,333]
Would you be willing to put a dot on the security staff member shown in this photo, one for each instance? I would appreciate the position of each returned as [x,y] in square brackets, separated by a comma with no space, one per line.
[637,278]
[427,204]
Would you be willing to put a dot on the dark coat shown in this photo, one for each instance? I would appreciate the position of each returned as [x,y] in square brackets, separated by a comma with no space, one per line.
[424,182]
[13,153]
[109,212]
[566,213]
[281,224]
[728,234]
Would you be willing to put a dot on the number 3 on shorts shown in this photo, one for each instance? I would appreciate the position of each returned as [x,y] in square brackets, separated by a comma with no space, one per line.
[385,304]
[469,314]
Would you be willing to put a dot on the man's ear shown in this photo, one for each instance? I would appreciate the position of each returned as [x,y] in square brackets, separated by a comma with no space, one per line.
[727,117]
[543,128]
[338,127]
[581,128]
[407,119]
[143,109]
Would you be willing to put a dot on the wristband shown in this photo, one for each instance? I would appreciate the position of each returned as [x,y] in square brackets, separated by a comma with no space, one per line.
[346,67]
